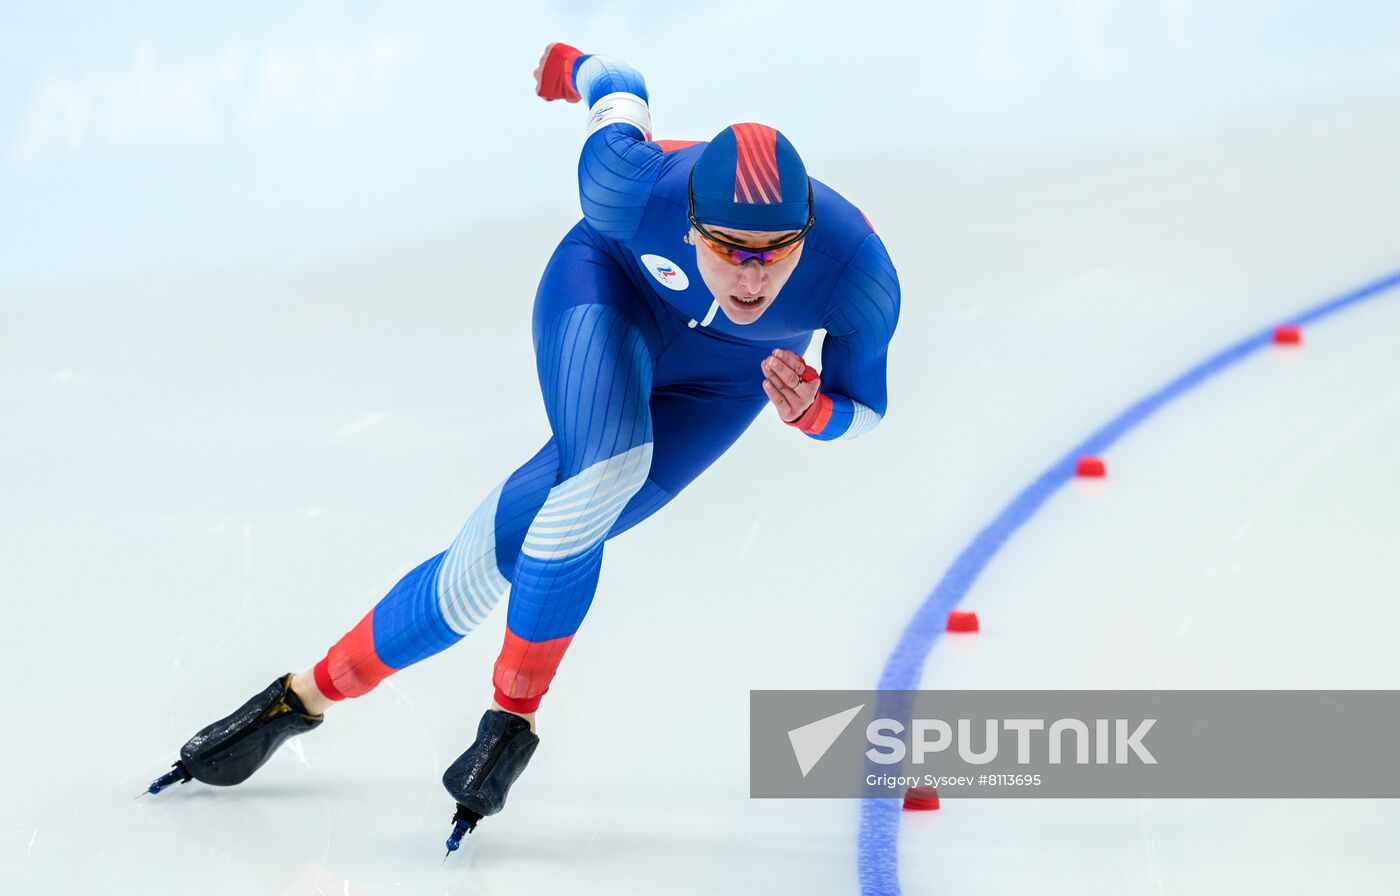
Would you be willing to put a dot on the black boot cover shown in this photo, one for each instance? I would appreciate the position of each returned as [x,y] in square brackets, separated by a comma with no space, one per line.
[481,777]
[230,750]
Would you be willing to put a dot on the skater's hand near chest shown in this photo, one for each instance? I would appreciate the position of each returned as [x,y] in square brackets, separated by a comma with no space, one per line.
[789,383]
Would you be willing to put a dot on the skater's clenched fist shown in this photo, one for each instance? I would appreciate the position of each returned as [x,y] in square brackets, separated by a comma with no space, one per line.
[790,384]
[554,76]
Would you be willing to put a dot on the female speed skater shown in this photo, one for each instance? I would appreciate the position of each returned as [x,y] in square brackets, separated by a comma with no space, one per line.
[664,323]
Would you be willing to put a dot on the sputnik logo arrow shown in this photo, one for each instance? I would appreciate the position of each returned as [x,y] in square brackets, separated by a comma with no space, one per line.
[811,741]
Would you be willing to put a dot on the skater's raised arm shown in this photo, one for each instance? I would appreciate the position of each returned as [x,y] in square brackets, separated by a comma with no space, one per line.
[848,398]
[619,165]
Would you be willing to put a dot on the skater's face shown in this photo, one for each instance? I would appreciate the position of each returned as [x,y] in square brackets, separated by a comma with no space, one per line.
[745,290]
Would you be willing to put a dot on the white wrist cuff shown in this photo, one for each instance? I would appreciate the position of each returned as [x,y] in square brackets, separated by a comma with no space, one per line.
[621,108]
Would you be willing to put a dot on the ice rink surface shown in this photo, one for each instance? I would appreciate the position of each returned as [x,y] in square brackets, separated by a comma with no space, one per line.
[210,476]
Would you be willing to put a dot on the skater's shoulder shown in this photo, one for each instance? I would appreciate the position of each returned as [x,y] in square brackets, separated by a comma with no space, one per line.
[866,296]
[678,158]
[841,228]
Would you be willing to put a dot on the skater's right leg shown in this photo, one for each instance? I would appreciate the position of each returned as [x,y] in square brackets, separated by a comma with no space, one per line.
[430,609]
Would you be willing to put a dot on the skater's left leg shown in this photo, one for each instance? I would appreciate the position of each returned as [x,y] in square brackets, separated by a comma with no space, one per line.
[689,434]
[545,612]
[595,369]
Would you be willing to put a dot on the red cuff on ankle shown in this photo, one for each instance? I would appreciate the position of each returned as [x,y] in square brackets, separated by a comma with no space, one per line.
[517,704]
[322,674]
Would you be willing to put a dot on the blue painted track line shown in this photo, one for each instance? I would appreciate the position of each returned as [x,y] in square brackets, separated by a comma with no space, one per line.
[878,840]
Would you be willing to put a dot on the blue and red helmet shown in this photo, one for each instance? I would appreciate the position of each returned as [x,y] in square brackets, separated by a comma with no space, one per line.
[750,178]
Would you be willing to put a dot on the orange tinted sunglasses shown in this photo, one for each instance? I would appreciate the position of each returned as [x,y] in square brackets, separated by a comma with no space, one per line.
[735,255]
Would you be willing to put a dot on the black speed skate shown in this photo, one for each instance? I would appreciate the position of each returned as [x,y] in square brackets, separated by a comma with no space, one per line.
[231,749]
[481,777]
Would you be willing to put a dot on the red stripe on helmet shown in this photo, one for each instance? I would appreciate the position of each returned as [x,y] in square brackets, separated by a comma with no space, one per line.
[756,166]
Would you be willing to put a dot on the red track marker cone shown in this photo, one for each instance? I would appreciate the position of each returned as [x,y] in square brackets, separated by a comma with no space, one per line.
[962,621]
[1090,467]
[921,799]
[1288,334]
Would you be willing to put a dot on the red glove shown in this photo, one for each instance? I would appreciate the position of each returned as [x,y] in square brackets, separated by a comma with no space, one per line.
[554,76]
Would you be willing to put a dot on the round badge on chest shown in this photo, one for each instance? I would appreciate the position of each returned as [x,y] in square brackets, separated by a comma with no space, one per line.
[666,272]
